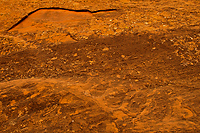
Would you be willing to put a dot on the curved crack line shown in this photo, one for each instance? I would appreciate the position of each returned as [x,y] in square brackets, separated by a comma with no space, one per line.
[57,8]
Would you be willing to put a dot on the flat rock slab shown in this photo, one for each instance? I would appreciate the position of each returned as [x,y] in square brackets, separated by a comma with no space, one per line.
[62,18]
[57,25]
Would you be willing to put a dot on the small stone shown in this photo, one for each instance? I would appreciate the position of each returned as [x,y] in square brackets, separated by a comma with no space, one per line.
[75,54]
[124,125]
[91,62]
[118,76]
[54,58]
[105,49]
[123,56]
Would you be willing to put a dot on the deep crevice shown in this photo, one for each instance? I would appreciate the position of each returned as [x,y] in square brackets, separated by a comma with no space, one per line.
[57,8]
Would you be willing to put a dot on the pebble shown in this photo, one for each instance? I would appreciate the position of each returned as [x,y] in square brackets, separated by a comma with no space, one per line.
[123,56]
[105,49]
[54,58]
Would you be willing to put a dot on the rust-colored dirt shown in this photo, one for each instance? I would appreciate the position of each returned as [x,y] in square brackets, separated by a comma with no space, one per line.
[100,66]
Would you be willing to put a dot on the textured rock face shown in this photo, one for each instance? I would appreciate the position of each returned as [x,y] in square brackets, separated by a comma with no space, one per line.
[134,69]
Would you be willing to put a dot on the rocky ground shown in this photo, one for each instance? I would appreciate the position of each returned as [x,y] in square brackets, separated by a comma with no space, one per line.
[100,66]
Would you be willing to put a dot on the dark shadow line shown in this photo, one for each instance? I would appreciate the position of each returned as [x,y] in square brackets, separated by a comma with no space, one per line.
[57,8]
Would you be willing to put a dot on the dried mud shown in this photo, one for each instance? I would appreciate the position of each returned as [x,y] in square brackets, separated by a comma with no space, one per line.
[92,66]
